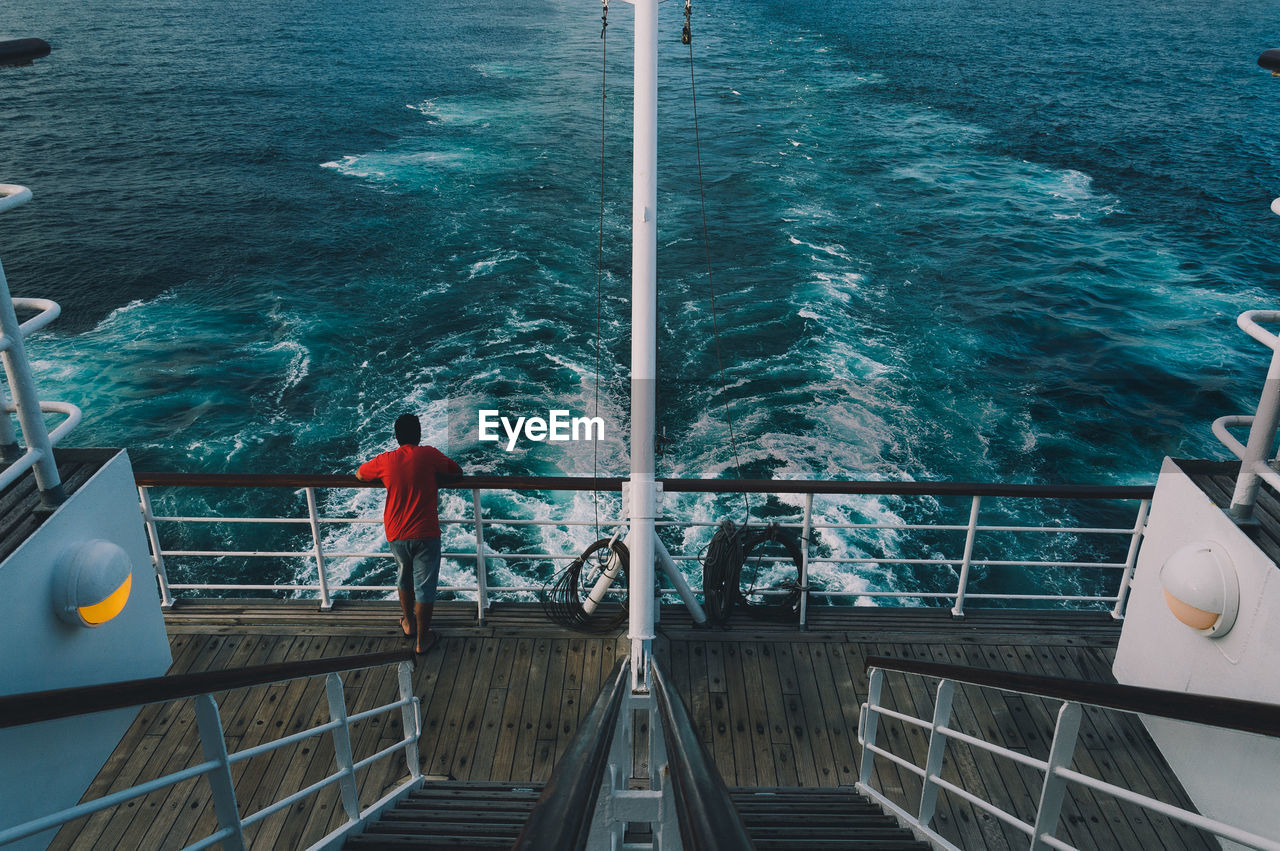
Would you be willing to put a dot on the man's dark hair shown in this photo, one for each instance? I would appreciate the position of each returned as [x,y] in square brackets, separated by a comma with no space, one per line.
[408,430]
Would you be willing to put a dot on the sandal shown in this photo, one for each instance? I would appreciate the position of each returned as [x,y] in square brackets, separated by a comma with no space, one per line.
[435,639]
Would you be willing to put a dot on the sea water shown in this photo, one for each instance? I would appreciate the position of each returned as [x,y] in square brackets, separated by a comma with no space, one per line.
[973,240]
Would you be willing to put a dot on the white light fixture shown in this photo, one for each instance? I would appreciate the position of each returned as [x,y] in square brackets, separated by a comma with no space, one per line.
[92,582]
[1201,588]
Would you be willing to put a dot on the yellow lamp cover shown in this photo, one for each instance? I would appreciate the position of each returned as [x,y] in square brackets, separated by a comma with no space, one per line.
[93,580]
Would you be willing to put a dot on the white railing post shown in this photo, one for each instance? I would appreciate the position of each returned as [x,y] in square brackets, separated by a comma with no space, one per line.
[937,749]
[1131,560]
[870,720]
[342,746]
[1054,790]
[214,745]
[482,563]
[958,609]
[1263,432]
[326,602]
[157,555]
[409,719]
[804,561]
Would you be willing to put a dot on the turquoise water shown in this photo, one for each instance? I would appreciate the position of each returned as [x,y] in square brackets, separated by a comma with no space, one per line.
[950,240]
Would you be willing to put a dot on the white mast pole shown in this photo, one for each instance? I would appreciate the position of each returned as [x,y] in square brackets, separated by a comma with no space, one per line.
[644,334]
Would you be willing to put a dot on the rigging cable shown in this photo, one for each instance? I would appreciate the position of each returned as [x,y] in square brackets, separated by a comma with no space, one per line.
[686,37]
[604,70]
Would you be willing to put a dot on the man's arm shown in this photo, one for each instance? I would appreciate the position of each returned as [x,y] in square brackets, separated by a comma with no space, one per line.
[449,471]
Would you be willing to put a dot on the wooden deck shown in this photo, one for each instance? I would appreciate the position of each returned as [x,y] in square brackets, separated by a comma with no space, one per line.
[20,513]
[775,707]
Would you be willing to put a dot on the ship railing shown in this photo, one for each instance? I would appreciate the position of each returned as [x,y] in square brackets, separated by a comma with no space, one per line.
[1254,466]
[810,530]
[590,798]
[216,767]
[26,403]
[1057,775]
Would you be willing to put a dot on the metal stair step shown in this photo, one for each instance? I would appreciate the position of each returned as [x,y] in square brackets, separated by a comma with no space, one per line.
[394,842]
[446,828]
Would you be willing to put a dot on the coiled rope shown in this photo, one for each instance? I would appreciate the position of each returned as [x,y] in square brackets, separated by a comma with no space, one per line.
[562,601]
[730,549]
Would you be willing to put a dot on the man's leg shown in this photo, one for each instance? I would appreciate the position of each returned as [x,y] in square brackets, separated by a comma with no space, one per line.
[404,588]
[408,622]
[426,576]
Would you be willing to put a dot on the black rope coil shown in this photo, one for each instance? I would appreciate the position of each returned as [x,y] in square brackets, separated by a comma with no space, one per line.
[562,600]
[730,549]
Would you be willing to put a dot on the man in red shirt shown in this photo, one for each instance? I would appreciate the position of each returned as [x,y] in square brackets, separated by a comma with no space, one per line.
[411,474]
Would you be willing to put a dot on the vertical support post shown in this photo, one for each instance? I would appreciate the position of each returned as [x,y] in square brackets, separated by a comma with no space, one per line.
[804,561]
[214,746]
[9,449]
[482,563]
[157,554]
[644,336]
[342,746]
[326,602]
[937,748]
[23,387]
[1055,787]
[409,719]
[870,720]
[1131,560]
[958,609]
[1261,436]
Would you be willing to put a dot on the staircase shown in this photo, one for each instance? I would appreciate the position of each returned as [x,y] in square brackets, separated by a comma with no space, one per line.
[454,816]
[824,819]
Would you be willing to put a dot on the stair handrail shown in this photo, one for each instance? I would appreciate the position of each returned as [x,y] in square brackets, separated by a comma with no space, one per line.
[562,816]
[32,707]
[1228,713]
[708,819]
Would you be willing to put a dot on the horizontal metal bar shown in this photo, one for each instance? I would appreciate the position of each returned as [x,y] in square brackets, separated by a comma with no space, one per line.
[1007,818]
[1226,831]
[894,758]
[369,713]
[210,841]
[1055,842]
[52,820]
[276,744]
[724,486]
[389,749]
[284,803]
[1022,758]
[910,719]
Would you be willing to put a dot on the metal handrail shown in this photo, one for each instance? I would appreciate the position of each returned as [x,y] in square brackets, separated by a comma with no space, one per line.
[1248,716]
[708,819]
[960,563]
[728,486]
[38,455]
[216,767]
[1056,769]
[561,818]
[32,707]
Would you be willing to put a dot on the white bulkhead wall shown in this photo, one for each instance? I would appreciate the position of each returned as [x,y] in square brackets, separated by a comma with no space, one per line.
[1230,776]
[47,767]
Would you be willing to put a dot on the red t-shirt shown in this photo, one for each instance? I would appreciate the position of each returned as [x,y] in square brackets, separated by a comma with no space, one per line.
[409,474]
